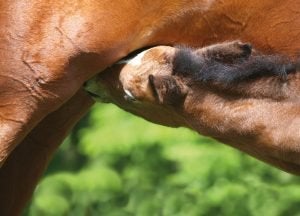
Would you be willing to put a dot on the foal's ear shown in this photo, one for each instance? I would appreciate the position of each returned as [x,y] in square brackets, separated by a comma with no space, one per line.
[167,89]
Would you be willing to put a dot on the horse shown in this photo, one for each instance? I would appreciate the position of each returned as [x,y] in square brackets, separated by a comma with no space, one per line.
[49,49]
[247,100]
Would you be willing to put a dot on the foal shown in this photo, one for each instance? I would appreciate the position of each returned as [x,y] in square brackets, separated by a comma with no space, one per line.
[247,100]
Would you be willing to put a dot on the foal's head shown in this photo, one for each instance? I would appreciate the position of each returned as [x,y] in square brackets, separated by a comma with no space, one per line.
[159,83]
[247,100]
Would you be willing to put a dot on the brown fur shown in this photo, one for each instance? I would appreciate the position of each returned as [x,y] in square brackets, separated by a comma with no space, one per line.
[259,116]
[48,49]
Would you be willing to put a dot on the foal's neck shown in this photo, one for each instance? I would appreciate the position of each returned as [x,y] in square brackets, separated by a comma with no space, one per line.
[272,88]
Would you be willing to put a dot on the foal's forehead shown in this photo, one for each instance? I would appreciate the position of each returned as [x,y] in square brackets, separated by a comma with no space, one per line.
[154,55]
[153,61]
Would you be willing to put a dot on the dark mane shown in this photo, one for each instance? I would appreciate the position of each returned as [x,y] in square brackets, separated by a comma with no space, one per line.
[187,63]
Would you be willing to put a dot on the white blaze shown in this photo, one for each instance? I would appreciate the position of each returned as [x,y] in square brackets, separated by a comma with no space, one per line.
[135,61]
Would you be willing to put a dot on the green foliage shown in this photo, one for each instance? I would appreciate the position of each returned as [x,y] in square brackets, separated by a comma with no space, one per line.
[115,164]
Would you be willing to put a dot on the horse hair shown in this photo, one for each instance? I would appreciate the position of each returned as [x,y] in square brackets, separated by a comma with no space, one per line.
[199,68]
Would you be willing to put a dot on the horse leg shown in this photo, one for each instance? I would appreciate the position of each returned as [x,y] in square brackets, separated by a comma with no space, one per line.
[23,168]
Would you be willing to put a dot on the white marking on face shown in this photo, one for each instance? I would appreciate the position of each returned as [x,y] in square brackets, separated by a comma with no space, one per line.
[137,60]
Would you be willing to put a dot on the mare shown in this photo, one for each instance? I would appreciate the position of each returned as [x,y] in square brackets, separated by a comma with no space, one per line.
[248,101]
[50,48]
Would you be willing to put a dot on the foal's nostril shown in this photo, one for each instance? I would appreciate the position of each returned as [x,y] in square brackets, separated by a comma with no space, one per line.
[247,48]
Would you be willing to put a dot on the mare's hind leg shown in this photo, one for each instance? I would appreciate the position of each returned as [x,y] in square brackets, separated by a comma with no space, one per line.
[227,52]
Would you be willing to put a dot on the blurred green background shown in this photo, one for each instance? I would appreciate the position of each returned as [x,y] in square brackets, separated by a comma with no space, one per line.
[115,164]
